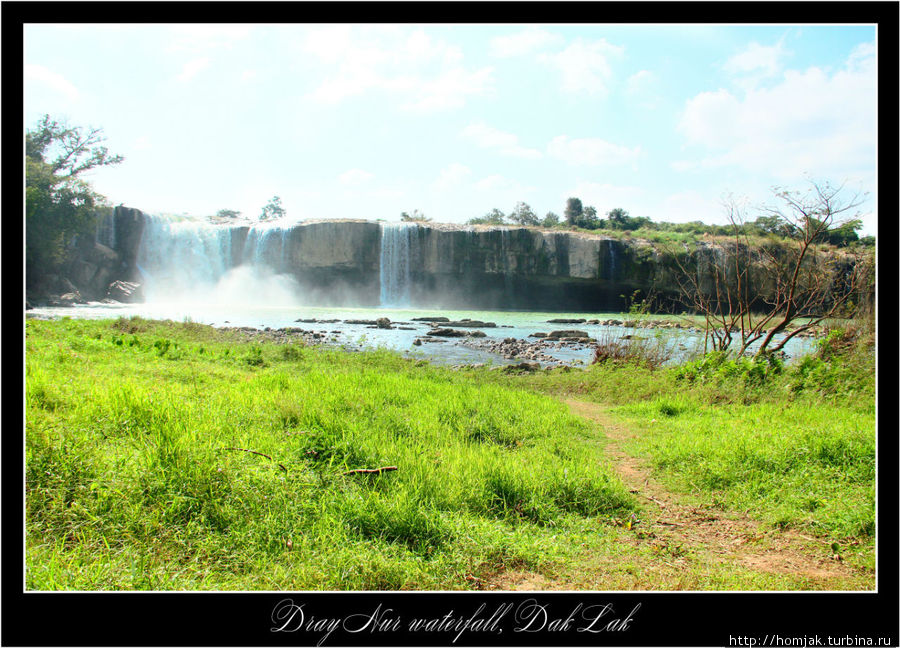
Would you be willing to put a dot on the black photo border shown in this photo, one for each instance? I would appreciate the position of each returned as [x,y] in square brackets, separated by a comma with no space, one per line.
[250,619]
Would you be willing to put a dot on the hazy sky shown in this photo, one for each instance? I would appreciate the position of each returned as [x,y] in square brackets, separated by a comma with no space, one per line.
[368,121]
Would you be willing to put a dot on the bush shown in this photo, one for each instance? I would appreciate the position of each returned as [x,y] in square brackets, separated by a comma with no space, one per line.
[718,366]
[646,352]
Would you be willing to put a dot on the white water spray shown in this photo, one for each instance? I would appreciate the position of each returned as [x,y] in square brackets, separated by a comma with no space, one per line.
[399,251]
[193,261]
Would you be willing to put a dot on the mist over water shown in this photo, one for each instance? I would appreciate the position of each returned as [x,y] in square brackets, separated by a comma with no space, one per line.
[192,262]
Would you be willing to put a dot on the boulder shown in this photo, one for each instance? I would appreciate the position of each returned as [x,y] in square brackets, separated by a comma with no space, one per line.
[566,321]
[383,323]
[446,332]
[522,366]
[70,298]
[127,292]
[568,334]
[430,319]
[468,323]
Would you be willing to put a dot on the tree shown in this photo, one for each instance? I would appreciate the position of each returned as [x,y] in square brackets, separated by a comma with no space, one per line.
[617,218]
[228,213]
[524,215]
[845,234]
[550,220]
[415,217]
[573,211]
[752,294]
[493,217]
[589,218]
[272,210]
[59,203]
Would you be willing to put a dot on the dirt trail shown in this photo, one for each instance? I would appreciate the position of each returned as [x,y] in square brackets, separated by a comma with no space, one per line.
[711,536]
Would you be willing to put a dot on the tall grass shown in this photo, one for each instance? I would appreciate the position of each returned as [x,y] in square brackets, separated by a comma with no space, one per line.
[169,456]
[791,445]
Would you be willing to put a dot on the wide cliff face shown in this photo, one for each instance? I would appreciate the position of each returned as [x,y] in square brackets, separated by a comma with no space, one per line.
[363,263]
[522,268]
[355,262]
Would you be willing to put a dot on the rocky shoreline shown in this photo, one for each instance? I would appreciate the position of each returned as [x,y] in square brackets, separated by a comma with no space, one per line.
[531,352]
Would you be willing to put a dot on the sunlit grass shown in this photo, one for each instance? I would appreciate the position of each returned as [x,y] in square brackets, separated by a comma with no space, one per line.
[140,472]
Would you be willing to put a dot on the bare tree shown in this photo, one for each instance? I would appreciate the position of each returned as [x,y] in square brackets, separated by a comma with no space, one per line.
[751,293]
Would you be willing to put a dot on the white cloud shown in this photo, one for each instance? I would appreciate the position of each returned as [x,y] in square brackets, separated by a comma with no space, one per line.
[452,176]
[756,63]
[643,88]
[592,151]
[423,73]
[49,78]
[449,90]
[504,143]
[810,122]
[355,177]
[585,66]
[757,58]
[192,68]
[523,42]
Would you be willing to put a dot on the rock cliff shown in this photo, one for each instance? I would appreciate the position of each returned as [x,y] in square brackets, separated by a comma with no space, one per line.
[344,262]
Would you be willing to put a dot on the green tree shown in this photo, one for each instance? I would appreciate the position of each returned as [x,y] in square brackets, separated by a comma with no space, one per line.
[415,217]
[228,213]
[272,210]
[573,211]
[550,220]
[493,217]
[617,218]
[589,218]
[524,215]
[59,203]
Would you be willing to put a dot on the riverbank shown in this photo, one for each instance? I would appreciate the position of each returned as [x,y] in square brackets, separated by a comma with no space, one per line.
[164,455]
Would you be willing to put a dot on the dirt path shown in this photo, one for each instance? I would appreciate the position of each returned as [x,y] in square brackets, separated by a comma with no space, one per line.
[675,529]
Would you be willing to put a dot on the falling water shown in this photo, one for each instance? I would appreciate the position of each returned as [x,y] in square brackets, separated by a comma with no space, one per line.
[611,252]
[507,274]
[191,260]
[399,250]
[181,256]
[106,230]
[266,247]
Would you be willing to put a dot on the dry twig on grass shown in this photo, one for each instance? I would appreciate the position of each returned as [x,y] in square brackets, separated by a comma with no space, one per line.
[260,454]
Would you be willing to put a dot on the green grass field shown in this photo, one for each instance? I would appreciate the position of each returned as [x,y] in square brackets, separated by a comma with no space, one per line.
[166,455]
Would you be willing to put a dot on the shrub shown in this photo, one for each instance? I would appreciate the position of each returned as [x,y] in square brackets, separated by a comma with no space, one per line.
[647,352]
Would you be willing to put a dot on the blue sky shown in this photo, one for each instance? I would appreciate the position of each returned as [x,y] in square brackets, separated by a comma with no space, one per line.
[368,121]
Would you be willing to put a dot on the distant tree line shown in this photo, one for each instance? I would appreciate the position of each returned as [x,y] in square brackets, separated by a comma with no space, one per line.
[578,216]
[272,210]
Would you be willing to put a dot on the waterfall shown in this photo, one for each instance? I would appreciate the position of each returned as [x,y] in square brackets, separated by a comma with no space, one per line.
[266,247]
[399,252]
[106,229]
[611,253]
[179,256]
[507,272]
[191,260]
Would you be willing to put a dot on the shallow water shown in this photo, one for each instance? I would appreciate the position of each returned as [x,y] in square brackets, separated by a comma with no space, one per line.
[515,324]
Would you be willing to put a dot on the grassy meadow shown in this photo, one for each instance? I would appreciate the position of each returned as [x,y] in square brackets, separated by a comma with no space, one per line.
[164,455]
